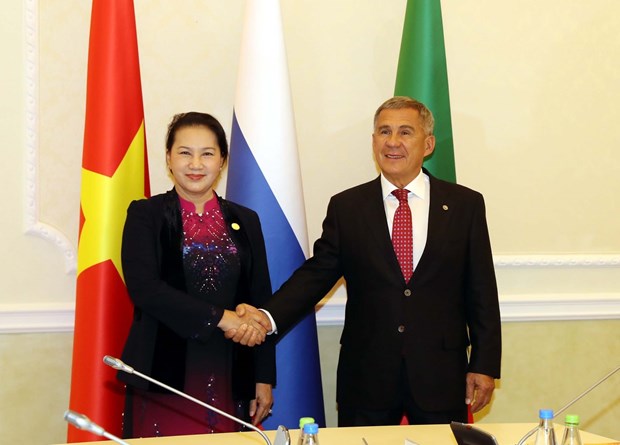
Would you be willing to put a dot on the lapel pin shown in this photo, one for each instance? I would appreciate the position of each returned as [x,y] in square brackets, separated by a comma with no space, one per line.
[445,207]
[235,226]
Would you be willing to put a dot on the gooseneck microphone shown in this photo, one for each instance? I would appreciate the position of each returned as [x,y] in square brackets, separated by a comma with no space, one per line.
[121,366]
[82,422]
[569,404]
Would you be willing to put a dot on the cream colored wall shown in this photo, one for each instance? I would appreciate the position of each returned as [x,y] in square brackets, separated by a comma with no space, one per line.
[534,101]
[545,365]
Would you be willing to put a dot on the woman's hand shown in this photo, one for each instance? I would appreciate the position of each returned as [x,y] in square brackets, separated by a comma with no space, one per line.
[253,333]
[255,319]
[261,406]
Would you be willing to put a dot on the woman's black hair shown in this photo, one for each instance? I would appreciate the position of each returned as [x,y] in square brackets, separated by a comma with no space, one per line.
[196,119]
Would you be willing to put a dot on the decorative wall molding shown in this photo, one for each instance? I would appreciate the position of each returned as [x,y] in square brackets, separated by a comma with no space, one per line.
[31,208]
[563,260]
[40,318]
[548,307]
[36,318]
[516,308]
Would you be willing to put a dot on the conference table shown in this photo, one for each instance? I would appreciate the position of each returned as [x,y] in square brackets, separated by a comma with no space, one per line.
[505,433]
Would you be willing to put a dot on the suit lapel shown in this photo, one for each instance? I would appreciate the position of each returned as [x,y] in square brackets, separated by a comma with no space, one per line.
[373,212]
[441,209]
[171,239]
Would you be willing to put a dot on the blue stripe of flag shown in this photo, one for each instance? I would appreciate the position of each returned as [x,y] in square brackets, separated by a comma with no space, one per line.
[297,359]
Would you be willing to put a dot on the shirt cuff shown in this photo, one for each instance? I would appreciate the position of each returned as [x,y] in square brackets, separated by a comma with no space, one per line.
[274,329]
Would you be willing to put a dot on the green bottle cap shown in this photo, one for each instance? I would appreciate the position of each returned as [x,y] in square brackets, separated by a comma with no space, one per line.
[305,420]
[571,419]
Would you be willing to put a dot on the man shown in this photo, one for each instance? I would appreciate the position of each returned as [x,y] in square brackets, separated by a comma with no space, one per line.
[427,342]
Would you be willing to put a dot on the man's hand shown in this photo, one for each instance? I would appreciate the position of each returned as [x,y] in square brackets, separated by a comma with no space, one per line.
[256,320]
[260,407]
[478,391]
[247,330]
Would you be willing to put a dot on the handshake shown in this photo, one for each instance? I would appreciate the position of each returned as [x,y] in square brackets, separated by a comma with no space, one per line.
[245,325]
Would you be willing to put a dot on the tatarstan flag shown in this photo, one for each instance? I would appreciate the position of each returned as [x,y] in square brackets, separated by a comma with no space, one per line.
[423,75]
[114,172]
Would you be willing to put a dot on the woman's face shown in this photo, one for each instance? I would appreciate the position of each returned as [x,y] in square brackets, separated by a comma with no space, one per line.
[195,162]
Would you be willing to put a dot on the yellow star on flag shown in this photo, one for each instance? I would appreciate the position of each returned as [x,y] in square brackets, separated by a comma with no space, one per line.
[104,205]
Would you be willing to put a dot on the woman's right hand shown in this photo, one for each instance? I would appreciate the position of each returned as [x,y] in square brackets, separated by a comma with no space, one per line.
[248,330]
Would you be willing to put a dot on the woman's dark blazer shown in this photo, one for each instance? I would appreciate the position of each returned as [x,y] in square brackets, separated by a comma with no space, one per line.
[166,316]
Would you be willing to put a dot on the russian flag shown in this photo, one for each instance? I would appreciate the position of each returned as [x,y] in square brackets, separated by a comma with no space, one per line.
[264,175]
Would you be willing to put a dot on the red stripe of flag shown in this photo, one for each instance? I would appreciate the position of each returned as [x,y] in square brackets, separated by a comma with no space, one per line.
[114,109]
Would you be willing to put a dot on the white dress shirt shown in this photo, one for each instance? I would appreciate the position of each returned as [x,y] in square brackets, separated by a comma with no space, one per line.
[419,200]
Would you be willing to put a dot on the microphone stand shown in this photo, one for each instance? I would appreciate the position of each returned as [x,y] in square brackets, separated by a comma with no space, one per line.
[122,366]
[569,404]
[82,422]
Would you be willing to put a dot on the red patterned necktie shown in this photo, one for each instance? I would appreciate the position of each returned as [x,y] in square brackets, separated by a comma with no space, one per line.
[402,236]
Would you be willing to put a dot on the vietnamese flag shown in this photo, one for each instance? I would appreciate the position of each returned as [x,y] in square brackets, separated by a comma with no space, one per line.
[422,74]
[114,172]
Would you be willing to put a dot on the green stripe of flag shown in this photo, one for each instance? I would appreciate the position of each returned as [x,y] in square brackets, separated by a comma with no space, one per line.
[422,74]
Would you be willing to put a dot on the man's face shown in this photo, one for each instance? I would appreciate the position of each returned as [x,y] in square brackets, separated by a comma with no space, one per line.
[400,145]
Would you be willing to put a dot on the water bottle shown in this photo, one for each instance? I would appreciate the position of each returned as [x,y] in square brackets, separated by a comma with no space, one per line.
[571,431]
[310,435]
[302,422]
[545,435]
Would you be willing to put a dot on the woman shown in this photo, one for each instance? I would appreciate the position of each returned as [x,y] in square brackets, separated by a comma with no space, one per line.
[189,257]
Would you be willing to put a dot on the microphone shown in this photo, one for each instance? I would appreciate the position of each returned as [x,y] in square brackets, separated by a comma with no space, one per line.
[282,434]
[82,422]
[569,404]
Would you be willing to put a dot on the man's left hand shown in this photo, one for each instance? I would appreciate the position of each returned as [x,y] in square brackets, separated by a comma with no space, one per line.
[479,390]
[260,407]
